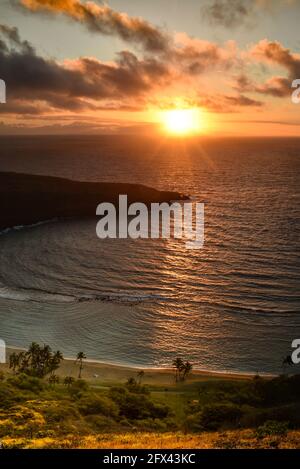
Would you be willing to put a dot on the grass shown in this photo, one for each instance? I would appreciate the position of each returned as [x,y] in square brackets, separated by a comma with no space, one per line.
[104,411]
[245,439]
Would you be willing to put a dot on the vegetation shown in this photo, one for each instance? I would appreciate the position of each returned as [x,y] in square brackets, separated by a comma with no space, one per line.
[80,357]
[182,369]
[39,408]
[37,361]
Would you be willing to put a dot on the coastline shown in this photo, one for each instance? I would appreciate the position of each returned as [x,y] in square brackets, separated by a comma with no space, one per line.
[55,198]
[99,372]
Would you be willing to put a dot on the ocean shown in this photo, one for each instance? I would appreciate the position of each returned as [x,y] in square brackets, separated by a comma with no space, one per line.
[232,306]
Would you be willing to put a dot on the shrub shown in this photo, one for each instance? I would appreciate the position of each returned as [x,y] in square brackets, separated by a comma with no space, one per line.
[102,423]
[93,404]
[254,417]
[214,416]
[136,406]
[78,388]
[28,383]
[133,386]
[57,411]
[272,428]
[8,395]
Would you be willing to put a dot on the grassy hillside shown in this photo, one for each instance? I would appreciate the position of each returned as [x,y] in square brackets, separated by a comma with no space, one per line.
[119,410]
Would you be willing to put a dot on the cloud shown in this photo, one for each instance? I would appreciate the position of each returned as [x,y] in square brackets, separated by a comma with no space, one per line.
[74,85]
[216,102]
[279,87]
[12,34]
[187,55]
[130,83]
[41,86]
[103,19]
[276,86]
[227,103]
[274,53]
[234,13]
[242,100]
[196,56]
[79,127]
[228,13]
[193,56]
[275,122]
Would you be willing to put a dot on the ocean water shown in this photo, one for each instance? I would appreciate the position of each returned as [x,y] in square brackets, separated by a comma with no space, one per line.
[232,306]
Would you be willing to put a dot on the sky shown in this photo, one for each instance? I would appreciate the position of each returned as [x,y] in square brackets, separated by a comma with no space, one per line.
[76,66]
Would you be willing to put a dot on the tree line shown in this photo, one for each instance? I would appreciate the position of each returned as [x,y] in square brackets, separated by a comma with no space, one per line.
[40,361]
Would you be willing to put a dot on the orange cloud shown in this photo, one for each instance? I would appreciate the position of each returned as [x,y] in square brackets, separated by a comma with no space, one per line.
[273,52]
[105,20]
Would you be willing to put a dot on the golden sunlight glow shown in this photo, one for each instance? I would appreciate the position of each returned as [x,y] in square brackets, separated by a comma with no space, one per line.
[182,121]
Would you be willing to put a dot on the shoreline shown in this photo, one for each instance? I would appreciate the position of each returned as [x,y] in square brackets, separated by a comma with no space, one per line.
[112,372]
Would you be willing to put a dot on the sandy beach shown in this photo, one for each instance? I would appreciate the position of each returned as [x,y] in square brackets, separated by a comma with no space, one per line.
[108,374]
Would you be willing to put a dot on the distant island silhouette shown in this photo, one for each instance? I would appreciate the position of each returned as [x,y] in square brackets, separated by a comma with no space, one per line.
[27,199]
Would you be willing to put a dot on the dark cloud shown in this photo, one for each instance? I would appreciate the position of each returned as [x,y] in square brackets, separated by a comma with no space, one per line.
[234,13]
[228,13]
[103,19]
[89,84]
[12,35]
[40,86]
[22,107]
[243,83]
[279,87]
[192,55]
[76,85]
[242,100]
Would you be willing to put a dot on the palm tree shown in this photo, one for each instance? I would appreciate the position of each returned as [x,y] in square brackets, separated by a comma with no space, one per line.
[179,367]
[187,369]
[55,360]
[140,376]
[36,361]
[13,361]
[80,357]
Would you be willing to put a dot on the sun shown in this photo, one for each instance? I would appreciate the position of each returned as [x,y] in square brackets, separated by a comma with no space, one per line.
[181,121]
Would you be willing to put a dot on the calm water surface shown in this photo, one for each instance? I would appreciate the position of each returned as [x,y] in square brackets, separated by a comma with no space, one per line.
[233,305]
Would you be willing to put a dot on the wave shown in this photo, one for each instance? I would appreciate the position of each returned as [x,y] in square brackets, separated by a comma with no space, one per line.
[24,294]
[23,227]
[260,310]
[255,309]
[44,296]
[40,296]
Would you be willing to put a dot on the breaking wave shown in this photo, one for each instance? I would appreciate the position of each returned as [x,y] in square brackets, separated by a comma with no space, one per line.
[37,295]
